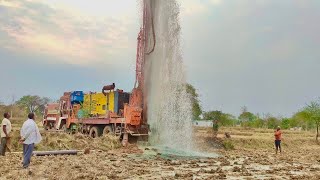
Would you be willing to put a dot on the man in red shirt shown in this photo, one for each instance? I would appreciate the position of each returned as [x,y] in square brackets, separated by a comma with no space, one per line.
[277,142]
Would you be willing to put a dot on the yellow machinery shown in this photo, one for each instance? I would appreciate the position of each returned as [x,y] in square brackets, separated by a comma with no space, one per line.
[98,104]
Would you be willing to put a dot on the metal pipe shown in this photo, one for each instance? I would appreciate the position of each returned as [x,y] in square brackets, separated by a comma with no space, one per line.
[139,134]
[60,152]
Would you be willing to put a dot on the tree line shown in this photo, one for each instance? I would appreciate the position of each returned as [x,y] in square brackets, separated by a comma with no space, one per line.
[307,118]
[26,104]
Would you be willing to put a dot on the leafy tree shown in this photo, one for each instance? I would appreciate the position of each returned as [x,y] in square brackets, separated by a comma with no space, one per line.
[313,110]
[285,123]
[213,115]
[272,122]
[33,103]
[228,120]
[223,119]
[196,108]
[302,119]
[247,116]
[216,117]
[257,123]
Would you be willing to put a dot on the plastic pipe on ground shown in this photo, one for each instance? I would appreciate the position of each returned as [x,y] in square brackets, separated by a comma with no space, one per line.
[61,152]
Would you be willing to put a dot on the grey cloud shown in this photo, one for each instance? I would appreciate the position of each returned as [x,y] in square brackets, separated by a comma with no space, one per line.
[254,54]
[262,54]
[91,37]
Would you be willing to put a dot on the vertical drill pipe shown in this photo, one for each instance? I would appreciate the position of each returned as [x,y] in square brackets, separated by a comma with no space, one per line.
[146,26]
[144,48]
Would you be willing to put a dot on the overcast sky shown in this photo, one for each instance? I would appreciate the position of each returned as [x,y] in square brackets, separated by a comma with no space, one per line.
[263,54]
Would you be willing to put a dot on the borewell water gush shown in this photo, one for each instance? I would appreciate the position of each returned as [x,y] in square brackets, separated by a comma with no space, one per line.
[169,105]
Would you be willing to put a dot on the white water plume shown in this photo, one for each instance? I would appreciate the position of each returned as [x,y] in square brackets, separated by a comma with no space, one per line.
[169,105]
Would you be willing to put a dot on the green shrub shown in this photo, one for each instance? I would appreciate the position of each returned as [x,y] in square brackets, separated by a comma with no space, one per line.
[228,145]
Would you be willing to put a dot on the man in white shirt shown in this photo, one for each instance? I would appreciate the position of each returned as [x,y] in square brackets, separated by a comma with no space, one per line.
[5,133]
[30,136]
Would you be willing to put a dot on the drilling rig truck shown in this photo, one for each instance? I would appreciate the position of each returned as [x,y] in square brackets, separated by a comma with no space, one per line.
[111,110]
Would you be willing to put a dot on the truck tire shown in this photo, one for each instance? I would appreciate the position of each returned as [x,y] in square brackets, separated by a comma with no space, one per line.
[107,130]
[82,129]
[95,132]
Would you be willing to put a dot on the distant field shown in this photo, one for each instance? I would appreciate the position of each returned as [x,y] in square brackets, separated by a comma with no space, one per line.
[17,123]
[248,154]
[301,144]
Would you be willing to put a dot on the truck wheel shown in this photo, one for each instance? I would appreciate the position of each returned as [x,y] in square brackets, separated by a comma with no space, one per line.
[82,130]
[107,130]
[94,132]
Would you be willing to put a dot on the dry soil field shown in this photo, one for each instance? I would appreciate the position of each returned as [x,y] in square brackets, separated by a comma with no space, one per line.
[253,157]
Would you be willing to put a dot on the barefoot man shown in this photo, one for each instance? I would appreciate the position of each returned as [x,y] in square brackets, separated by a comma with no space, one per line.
[277,142]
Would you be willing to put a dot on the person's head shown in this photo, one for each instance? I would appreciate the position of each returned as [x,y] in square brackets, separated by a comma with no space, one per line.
[278,128]
[6,115]
[31,116]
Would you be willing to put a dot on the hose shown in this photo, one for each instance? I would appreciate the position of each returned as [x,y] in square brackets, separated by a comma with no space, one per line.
[153,33]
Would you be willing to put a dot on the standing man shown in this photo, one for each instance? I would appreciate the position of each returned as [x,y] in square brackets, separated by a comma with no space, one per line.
[277,142]
[30,136]
[5,133]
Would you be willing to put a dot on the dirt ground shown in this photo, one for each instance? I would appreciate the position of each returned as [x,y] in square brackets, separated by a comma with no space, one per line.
[250,156]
